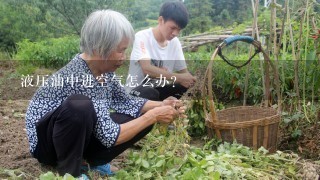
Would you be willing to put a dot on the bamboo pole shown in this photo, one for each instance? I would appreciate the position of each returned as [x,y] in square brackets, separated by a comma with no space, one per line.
[284,44]
[277,50]
[296,61]
[273,30]
[261,58]
[305,63]
[245,91]
[273,35]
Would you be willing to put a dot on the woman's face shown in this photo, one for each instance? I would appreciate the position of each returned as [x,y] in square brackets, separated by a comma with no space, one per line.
[118,56]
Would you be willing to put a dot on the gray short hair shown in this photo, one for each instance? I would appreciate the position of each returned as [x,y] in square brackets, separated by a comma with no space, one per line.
[103,31]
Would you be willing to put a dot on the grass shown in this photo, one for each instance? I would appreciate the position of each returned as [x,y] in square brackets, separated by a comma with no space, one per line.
[4,55]
[13,174]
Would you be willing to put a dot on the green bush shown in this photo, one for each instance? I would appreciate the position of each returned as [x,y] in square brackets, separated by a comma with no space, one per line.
[51,53]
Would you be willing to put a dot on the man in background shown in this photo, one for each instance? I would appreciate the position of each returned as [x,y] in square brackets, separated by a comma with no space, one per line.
[157,64]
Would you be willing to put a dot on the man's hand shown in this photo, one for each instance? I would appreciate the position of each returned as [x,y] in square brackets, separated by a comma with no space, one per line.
[186,79]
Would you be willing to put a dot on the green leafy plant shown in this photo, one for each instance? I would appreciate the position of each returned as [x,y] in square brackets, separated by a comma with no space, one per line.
[230,161]
[51,53]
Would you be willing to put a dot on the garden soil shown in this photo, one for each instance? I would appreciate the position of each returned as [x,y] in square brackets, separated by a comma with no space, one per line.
[14,148]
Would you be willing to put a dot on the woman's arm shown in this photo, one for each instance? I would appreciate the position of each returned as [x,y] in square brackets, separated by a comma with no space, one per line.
[163,114]
[150,105]
[171,101]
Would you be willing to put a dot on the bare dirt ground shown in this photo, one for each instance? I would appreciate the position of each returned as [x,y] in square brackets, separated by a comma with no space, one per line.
[14,151]
[14,148]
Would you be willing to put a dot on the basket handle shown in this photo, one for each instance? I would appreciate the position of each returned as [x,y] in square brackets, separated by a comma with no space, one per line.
[208,75]
[230,40]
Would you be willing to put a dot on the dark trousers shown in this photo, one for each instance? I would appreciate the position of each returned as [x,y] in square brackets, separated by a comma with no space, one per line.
[66,137]
[159,93]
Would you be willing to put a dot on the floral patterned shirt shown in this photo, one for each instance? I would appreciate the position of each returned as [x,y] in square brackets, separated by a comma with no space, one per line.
[76,78]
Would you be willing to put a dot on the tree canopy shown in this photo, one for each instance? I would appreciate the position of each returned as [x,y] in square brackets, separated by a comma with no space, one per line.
[40,19]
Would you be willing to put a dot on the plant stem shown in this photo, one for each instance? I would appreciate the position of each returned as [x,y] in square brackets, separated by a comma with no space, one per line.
[296,63]
[254,10]
[306,17]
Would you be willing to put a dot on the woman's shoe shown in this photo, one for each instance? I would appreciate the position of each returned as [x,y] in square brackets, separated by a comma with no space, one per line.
[103,170]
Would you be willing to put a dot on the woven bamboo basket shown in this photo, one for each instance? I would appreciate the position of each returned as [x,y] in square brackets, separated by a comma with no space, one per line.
[251,126]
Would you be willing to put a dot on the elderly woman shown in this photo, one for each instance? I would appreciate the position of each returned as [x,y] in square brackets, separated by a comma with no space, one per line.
[82,112]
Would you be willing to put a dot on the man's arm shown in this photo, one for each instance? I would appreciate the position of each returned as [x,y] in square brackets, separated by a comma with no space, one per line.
[183,77]
[153,71]
[183,71]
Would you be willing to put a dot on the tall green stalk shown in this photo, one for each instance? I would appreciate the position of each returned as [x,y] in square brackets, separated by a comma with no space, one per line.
[306,19]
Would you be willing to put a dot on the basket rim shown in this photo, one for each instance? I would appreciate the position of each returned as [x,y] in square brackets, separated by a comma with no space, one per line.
[261,121]
[246,107]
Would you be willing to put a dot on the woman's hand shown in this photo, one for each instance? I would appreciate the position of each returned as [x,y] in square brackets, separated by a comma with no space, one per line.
[163,114]
[172,101]
[181,110]
[165,111]
[177,104]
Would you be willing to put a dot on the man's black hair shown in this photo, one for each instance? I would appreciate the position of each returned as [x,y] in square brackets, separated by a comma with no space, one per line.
[175,11]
